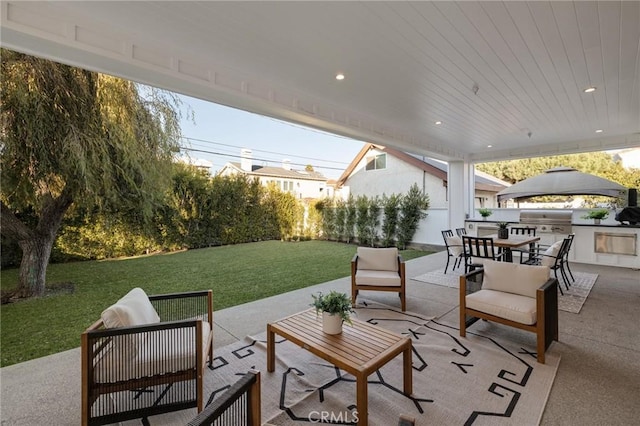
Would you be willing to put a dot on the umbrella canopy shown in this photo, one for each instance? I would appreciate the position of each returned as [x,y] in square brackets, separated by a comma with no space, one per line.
[562,181]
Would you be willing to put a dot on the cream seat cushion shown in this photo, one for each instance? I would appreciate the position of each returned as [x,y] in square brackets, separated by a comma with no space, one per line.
[378,267]
[550,254]
[378,259]
[134,308]
[455,245]
[510,306]
[514,278]
[378,278]
[158,352]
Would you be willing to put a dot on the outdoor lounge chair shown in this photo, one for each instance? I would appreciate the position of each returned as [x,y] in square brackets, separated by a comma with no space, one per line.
[146,356]
[520,296]
[239,405]
[378,269]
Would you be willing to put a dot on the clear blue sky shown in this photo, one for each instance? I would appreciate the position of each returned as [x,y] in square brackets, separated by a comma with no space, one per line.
[223,131]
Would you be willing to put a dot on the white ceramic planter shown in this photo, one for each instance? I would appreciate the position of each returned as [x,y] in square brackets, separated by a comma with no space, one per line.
[331,324]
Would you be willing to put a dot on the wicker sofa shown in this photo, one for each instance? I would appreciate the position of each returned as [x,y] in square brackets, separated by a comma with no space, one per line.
[516,295]
[146,356]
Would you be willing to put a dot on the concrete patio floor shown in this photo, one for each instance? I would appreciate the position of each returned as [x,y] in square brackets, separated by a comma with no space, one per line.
[598,381]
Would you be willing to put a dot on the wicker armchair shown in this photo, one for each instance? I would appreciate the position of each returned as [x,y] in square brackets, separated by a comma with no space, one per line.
[146,356]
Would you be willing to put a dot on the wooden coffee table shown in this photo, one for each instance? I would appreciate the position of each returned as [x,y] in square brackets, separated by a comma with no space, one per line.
[360,350]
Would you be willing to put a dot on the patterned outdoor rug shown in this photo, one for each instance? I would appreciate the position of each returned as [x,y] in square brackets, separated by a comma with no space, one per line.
[480,379]
[571,301]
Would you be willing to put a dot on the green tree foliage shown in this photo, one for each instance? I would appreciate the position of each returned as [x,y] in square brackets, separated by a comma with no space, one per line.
[595,163]
[340,220]
[288,211]
[362,220]
[373,221]
[350,220]
[412,208]
[71,136]
[391,205]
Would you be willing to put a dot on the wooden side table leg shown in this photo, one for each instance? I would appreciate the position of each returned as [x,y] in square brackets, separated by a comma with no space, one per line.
[407,361]
[271,350]
[362,400]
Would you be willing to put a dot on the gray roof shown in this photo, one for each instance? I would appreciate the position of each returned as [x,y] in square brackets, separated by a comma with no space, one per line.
[281,173]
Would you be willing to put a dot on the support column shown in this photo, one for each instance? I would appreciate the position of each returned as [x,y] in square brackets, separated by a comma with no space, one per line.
[461,192]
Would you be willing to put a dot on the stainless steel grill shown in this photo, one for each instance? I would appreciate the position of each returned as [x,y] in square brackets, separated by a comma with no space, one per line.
[547,221]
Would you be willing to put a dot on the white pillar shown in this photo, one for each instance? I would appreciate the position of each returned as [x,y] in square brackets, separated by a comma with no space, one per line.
[460,192]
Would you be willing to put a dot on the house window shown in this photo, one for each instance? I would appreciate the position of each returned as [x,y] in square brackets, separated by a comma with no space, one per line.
[376,162]
[287,185]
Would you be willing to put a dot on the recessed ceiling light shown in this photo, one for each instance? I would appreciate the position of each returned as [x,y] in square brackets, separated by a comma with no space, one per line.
[589,89]
[438,122]
[339,76]
[489,146]
[599,131]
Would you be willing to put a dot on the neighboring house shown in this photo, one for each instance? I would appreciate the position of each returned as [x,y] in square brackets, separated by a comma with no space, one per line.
[378,170]
[301,183]
[201,164]
[630,157]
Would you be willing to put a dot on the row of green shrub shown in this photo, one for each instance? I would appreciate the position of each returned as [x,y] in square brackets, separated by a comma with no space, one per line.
[374,221]
[203,211]
[198,211]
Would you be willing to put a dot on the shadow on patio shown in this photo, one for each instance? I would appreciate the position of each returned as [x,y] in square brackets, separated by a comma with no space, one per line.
[597,382]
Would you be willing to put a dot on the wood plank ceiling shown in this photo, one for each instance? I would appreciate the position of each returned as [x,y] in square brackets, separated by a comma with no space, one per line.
[510,75]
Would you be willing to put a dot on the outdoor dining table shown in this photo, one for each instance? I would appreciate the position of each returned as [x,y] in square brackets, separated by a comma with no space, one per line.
[513,242]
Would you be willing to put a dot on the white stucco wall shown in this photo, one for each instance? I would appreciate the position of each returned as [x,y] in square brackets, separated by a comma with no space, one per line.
[301,188]
[396,178]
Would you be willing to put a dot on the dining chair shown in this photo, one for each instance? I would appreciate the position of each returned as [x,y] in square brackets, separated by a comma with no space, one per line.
[476,250]
[554,257]
[454,249]
[461,231]
[525,230]
[566,256]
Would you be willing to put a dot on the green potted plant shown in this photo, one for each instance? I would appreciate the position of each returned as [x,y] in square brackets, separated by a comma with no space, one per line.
[596,215]
[503,232]
[485,213]
[336,309]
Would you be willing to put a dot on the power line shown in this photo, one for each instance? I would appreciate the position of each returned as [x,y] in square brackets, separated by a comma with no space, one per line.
[267,152]
[256,159]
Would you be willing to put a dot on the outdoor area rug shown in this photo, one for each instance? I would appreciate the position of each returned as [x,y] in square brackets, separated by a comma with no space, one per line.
[571,301]
[480,379]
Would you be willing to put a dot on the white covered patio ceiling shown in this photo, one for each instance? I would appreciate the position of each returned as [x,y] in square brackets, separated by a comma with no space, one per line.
[506,74]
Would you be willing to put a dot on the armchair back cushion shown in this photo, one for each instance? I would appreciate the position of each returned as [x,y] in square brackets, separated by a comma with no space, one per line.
[514,278]
[132,309]
[378,259]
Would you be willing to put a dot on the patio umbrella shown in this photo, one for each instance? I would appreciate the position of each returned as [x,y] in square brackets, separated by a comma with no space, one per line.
[562,181]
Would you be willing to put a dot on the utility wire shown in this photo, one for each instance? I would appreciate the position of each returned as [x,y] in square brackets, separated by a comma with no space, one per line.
[256,159]
[266,152]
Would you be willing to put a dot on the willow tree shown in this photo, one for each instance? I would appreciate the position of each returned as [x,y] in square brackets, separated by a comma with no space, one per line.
[71,136]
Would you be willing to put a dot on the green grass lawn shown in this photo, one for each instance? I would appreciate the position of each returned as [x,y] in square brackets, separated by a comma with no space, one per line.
[237,274]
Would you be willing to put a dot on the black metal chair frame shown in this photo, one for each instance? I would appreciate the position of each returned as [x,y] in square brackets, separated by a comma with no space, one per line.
[461,232]
[478,247]
[525,230]
[458,259]
[240,404]
[559,262]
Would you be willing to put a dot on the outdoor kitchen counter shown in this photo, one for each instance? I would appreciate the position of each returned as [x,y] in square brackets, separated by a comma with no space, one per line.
[613,245]
[603,244]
